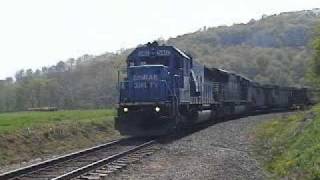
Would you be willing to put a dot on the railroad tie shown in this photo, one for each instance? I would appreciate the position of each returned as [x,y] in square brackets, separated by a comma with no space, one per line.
[123,161]
[103,171]
[133,159]
[135,156]
[98,174]
[85,177]
[115,167]
[119,164]
[147,153]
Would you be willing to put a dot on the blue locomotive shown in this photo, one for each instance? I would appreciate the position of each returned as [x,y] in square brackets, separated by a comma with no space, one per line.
[165,90]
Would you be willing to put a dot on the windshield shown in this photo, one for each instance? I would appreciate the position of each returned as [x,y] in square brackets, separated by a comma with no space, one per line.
[155,61]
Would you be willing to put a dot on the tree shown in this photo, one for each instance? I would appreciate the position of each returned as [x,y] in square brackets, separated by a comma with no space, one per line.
[313,74]
[316,58]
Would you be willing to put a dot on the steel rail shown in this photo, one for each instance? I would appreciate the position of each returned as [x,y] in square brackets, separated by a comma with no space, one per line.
[97,164]
[45,164]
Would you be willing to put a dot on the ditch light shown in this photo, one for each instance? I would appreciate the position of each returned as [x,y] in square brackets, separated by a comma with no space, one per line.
[157,109]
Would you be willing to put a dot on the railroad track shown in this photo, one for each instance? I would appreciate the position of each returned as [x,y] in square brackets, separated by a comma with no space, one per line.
[91,164]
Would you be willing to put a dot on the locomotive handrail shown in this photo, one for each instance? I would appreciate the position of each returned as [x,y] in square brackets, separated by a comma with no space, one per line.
[172,94]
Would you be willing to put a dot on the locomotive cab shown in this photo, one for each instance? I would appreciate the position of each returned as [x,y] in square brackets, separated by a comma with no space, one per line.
[149,94]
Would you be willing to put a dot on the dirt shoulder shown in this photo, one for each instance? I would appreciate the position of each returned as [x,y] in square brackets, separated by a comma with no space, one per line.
[222,151]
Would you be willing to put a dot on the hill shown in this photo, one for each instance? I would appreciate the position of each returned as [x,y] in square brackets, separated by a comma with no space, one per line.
[272,50]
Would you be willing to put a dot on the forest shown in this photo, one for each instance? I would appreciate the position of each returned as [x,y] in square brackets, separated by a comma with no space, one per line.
[275,49]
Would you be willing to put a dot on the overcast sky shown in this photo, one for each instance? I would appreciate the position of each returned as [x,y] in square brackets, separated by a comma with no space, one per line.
[36,33]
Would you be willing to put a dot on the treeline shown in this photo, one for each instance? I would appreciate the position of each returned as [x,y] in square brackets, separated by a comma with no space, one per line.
[274,50]
[87,82]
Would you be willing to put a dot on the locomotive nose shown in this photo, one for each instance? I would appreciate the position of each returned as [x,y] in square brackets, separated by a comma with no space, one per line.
[148,83]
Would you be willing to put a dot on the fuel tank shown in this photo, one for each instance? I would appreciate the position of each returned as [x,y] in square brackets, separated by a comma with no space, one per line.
[201,116]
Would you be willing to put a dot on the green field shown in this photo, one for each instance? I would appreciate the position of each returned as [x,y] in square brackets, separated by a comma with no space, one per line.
[289,147]
[18,120]
[28,135]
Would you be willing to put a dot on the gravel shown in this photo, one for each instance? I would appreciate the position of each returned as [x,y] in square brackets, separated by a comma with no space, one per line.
[222,151]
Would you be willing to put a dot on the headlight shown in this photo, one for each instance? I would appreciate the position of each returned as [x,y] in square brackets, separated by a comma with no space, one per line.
[157,109]
[125,109]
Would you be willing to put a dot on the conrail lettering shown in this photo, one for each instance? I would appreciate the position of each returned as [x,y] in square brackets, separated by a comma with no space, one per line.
[145,77]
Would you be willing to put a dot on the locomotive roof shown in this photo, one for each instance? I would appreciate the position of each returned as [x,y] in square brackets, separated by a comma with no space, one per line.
[149,66]
[227,73]
[181,53]
[169,47]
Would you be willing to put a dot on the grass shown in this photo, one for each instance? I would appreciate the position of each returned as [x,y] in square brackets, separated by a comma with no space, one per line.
[289,147]
[29,135]
[19,120]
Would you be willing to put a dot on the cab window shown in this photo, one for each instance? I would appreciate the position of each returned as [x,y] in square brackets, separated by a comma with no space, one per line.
[155,61]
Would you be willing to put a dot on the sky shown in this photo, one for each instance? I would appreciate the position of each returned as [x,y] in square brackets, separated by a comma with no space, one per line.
[37,33]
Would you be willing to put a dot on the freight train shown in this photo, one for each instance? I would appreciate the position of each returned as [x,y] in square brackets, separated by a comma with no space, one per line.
[165,90]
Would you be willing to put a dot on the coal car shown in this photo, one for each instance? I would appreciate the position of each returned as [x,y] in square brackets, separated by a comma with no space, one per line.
[165,90]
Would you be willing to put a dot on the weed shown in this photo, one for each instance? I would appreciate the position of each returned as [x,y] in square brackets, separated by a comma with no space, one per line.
[289,147]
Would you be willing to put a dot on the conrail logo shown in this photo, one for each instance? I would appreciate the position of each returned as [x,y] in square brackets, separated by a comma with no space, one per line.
[145,77]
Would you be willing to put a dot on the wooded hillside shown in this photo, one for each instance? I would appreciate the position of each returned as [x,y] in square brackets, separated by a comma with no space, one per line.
[274,49]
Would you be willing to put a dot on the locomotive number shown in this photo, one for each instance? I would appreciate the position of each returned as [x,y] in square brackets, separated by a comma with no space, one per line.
[140,85]
[145,85]
[163,52]
[160,52]
[143,53]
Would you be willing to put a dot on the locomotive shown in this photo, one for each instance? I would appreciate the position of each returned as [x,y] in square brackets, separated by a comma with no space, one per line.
[165,90]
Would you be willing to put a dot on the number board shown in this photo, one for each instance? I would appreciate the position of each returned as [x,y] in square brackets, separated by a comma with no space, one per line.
[159,52]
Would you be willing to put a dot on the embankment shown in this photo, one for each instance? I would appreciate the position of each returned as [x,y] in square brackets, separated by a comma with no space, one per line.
[39,135]
[289,147]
